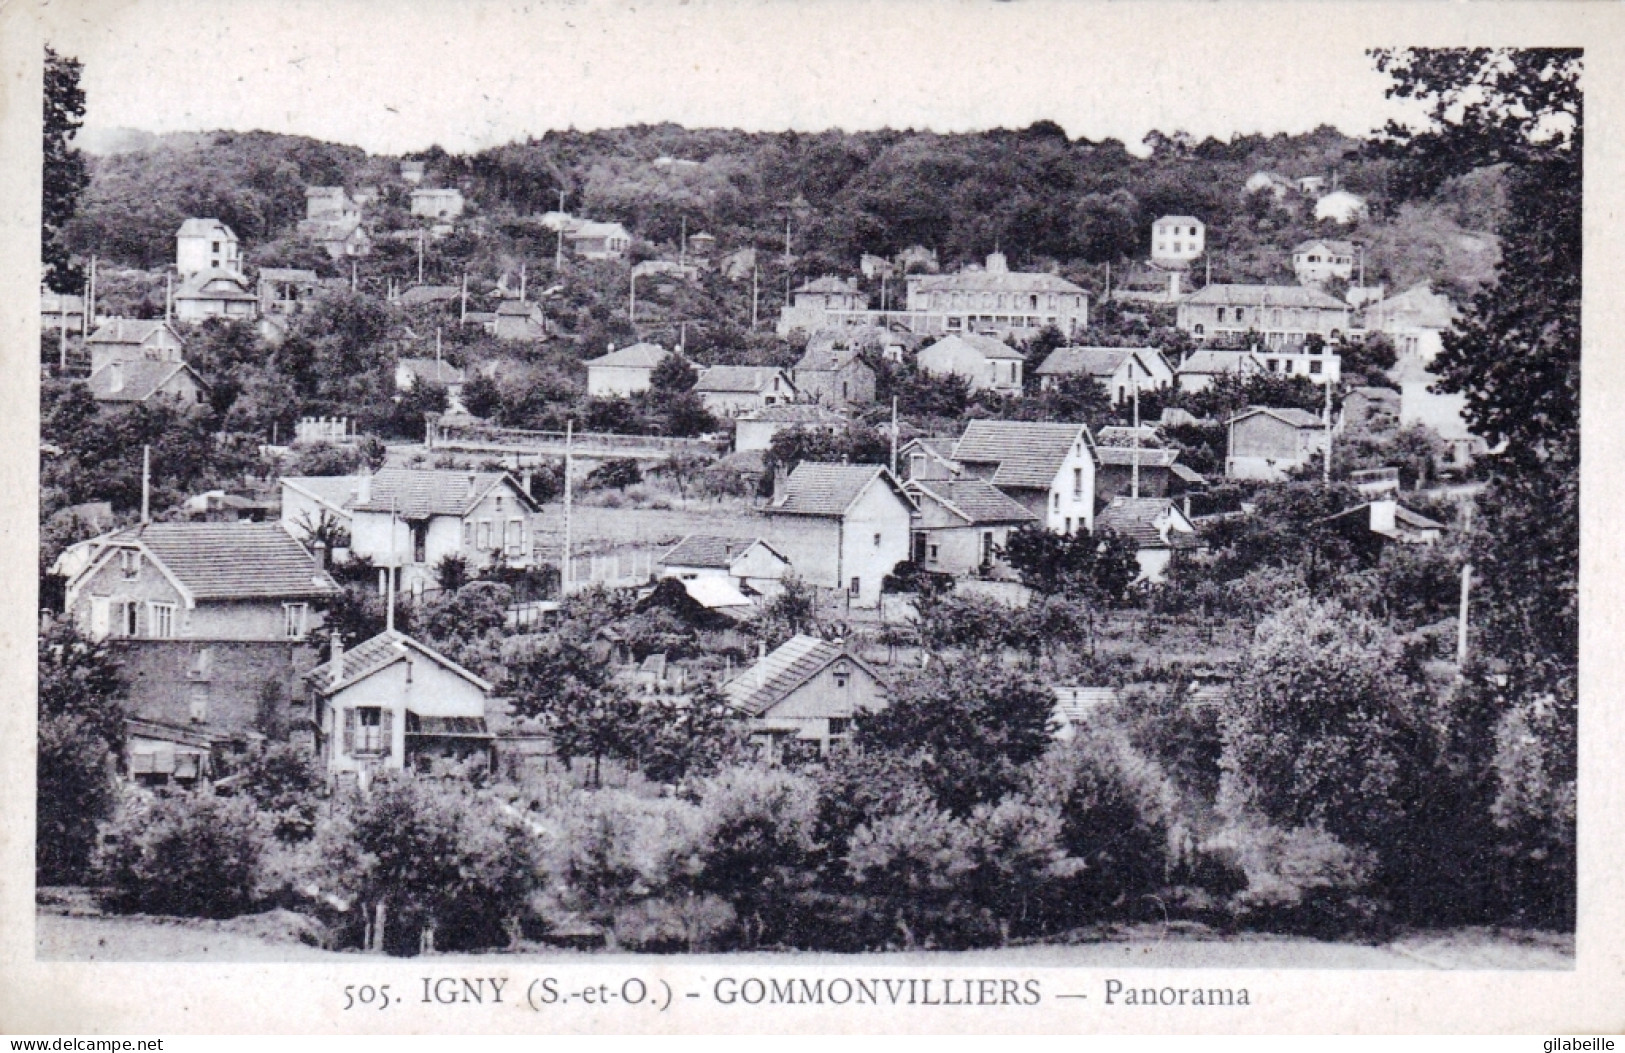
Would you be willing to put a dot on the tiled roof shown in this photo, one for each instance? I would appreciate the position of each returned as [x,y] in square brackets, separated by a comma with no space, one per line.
[516,309]
[125,331]
[1344,248]
[795,413]
[1377,394]
[197,287]
[826,489]
[994,281]
[989,347]
[286,274]
[639,356]
[1189,476]
[975,500]
[593,229]
[709,550]
[433,371]
[827,354]
[1135,518]
[417,493]
[737,378]
[1179,219]
[715,593]
[142,377]
[1209,361]
[1028,453]
[1417,306]
[765,684]
[230,561]
[1123,435]
[421,294]
[1149,456]
[1094,361]
[205,228]
[380,652]
[1298,418]
[829,284]
[1266,296]
[1415,520]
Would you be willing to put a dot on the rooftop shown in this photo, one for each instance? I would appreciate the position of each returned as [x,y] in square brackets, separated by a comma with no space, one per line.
[233,561]
[993,281]
[987,345]
[796,413]
[1143,519]
[418,493]
[710,550]
[737,378]
[432,370]
[1028,453]
[205,228]
[974,500]
[286,274]
[829,284]
[1212,360]
[214,284]
[828,489]
[1266,296]
[1298,418]
[139,379]
[1091,361]
[643,355]
[126,331]
[380,652]
[765,684]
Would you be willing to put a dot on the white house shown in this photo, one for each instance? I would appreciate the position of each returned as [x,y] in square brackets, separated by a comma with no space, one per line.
[599,241]
[1319,260]
[998,300]
[1415,320]
[215,293]
[749,563]
[625,372]
[842,526]
[206,244]
[802,697]
[1120,370]
[437,203]
[963,523]
[755,430]
[1159,530]
[389,703]
[1267,443]
[1177,240]
[1049,468]
[987,364]
[1203,366]
[1279,314]
[728,391]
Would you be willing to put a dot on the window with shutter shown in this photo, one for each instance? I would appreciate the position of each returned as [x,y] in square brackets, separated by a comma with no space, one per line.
[349,732]
[386,735]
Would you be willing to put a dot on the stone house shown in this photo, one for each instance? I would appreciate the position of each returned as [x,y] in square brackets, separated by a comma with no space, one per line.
[842,526]
[519,320]
[832,372]
[132,339]
[1120,370]
[728,391]
[1160,531]
[625,372]
[962,524]
[1266,443]
[1049,468]
[802,697]
[143,379]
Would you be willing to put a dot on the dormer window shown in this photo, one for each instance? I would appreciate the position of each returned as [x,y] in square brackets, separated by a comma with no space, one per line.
[843,673]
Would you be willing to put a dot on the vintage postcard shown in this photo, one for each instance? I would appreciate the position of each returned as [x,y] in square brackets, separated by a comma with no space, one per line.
[843,516]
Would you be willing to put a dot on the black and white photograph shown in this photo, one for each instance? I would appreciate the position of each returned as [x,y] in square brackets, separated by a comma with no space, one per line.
[751,486]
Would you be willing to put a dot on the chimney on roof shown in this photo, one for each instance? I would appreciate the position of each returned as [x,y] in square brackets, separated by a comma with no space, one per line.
[319,552]
[761,657]
[529,475]
[473,481]
[337,660]
[779,480]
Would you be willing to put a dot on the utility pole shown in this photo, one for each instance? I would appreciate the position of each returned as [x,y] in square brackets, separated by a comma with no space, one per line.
[682,245]
[420,255]
[353,281]
[169,296]
[62,334]
[1461,626]
[755,295]
[1134,380]
[632,307]
[894,434]
[394,567]
[564,568]
[1108,295]
[437,366]
[1326,463]
[146,485]
[558,253]
[787,259]
[1207,262]
[462,314]
[521,281]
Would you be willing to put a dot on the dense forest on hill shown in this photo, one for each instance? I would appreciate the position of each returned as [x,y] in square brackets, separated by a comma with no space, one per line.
[1047,201]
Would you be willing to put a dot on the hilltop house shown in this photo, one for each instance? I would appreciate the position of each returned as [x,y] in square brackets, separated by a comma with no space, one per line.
[801,698]
[1177,240]
[437,202]
[143,379]
[749,563]
[598,241]
[755,430]
[286,290]
[330,202]
[1268,182]
[1048,468]
[1318,260]
[392,703]
[518,320]
[133,339]
[206,245]
[338,237]
[728,391]
[1266,443]
[999,301]
[1159,530]
[842,526]
[624,373]
[1279,314]
[1120,370]
[215,293]
[987,364]
[831,372]
[962,524]
[430,372]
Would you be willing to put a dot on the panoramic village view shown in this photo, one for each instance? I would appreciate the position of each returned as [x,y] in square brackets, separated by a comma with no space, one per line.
[690,540]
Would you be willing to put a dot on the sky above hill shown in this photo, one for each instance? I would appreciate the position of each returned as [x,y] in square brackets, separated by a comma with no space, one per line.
[467,74]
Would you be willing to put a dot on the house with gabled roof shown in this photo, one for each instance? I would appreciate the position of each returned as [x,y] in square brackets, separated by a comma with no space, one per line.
[1160,531]
[997,300]
[802,697]
[755,430]
[832,372]
[429,372]
[728,391]
[751,564]
[963,524]
[215,293]
[1280,315]
[287,290]
[143,379]
[593,240]
[929,457]
[842,526]
[389,703]
[1203,366]
[519,320]
[1319,260]
[1047,467]
[421,295]
[1266,442]
[625,372]
[205,245]
[1120,370]
[412,518]
[129,339]
[985,363]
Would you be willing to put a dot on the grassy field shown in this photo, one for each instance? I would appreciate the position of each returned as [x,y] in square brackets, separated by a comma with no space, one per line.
[269,938]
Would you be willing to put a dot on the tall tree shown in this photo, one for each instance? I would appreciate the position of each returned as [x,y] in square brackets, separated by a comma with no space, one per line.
[64,174]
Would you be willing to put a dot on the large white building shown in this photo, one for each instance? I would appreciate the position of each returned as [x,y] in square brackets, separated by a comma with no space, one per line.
[1177,240]
[206,244]
[998,301]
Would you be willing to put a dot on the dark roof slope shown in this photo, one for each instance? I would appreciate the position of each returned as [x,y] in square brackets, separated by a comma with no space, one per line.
[977,500]
[798,660]
[1091,361]
[1028,453]
[1266,296]
[142,377]
[709,550]
[380,652]
[230,561]
[417,493]
[829,489]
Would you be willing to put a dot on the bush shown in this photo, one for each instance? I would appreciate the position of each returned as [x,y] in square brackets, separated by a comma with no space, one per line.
[187,854]
[756,844]
[615,475]
[1300,878]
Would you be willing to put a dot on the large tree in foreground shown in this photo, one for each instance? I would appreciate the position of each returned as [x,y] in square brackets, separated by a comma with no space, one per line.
[64,175]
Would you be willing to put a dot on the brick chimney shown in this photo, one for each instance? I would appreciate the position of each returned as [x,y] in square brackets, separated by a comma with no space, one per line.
[337,660]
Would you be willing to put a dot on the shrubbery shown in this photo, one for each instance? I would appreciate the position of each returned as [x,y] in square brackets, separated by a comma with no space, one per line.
[191,854]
